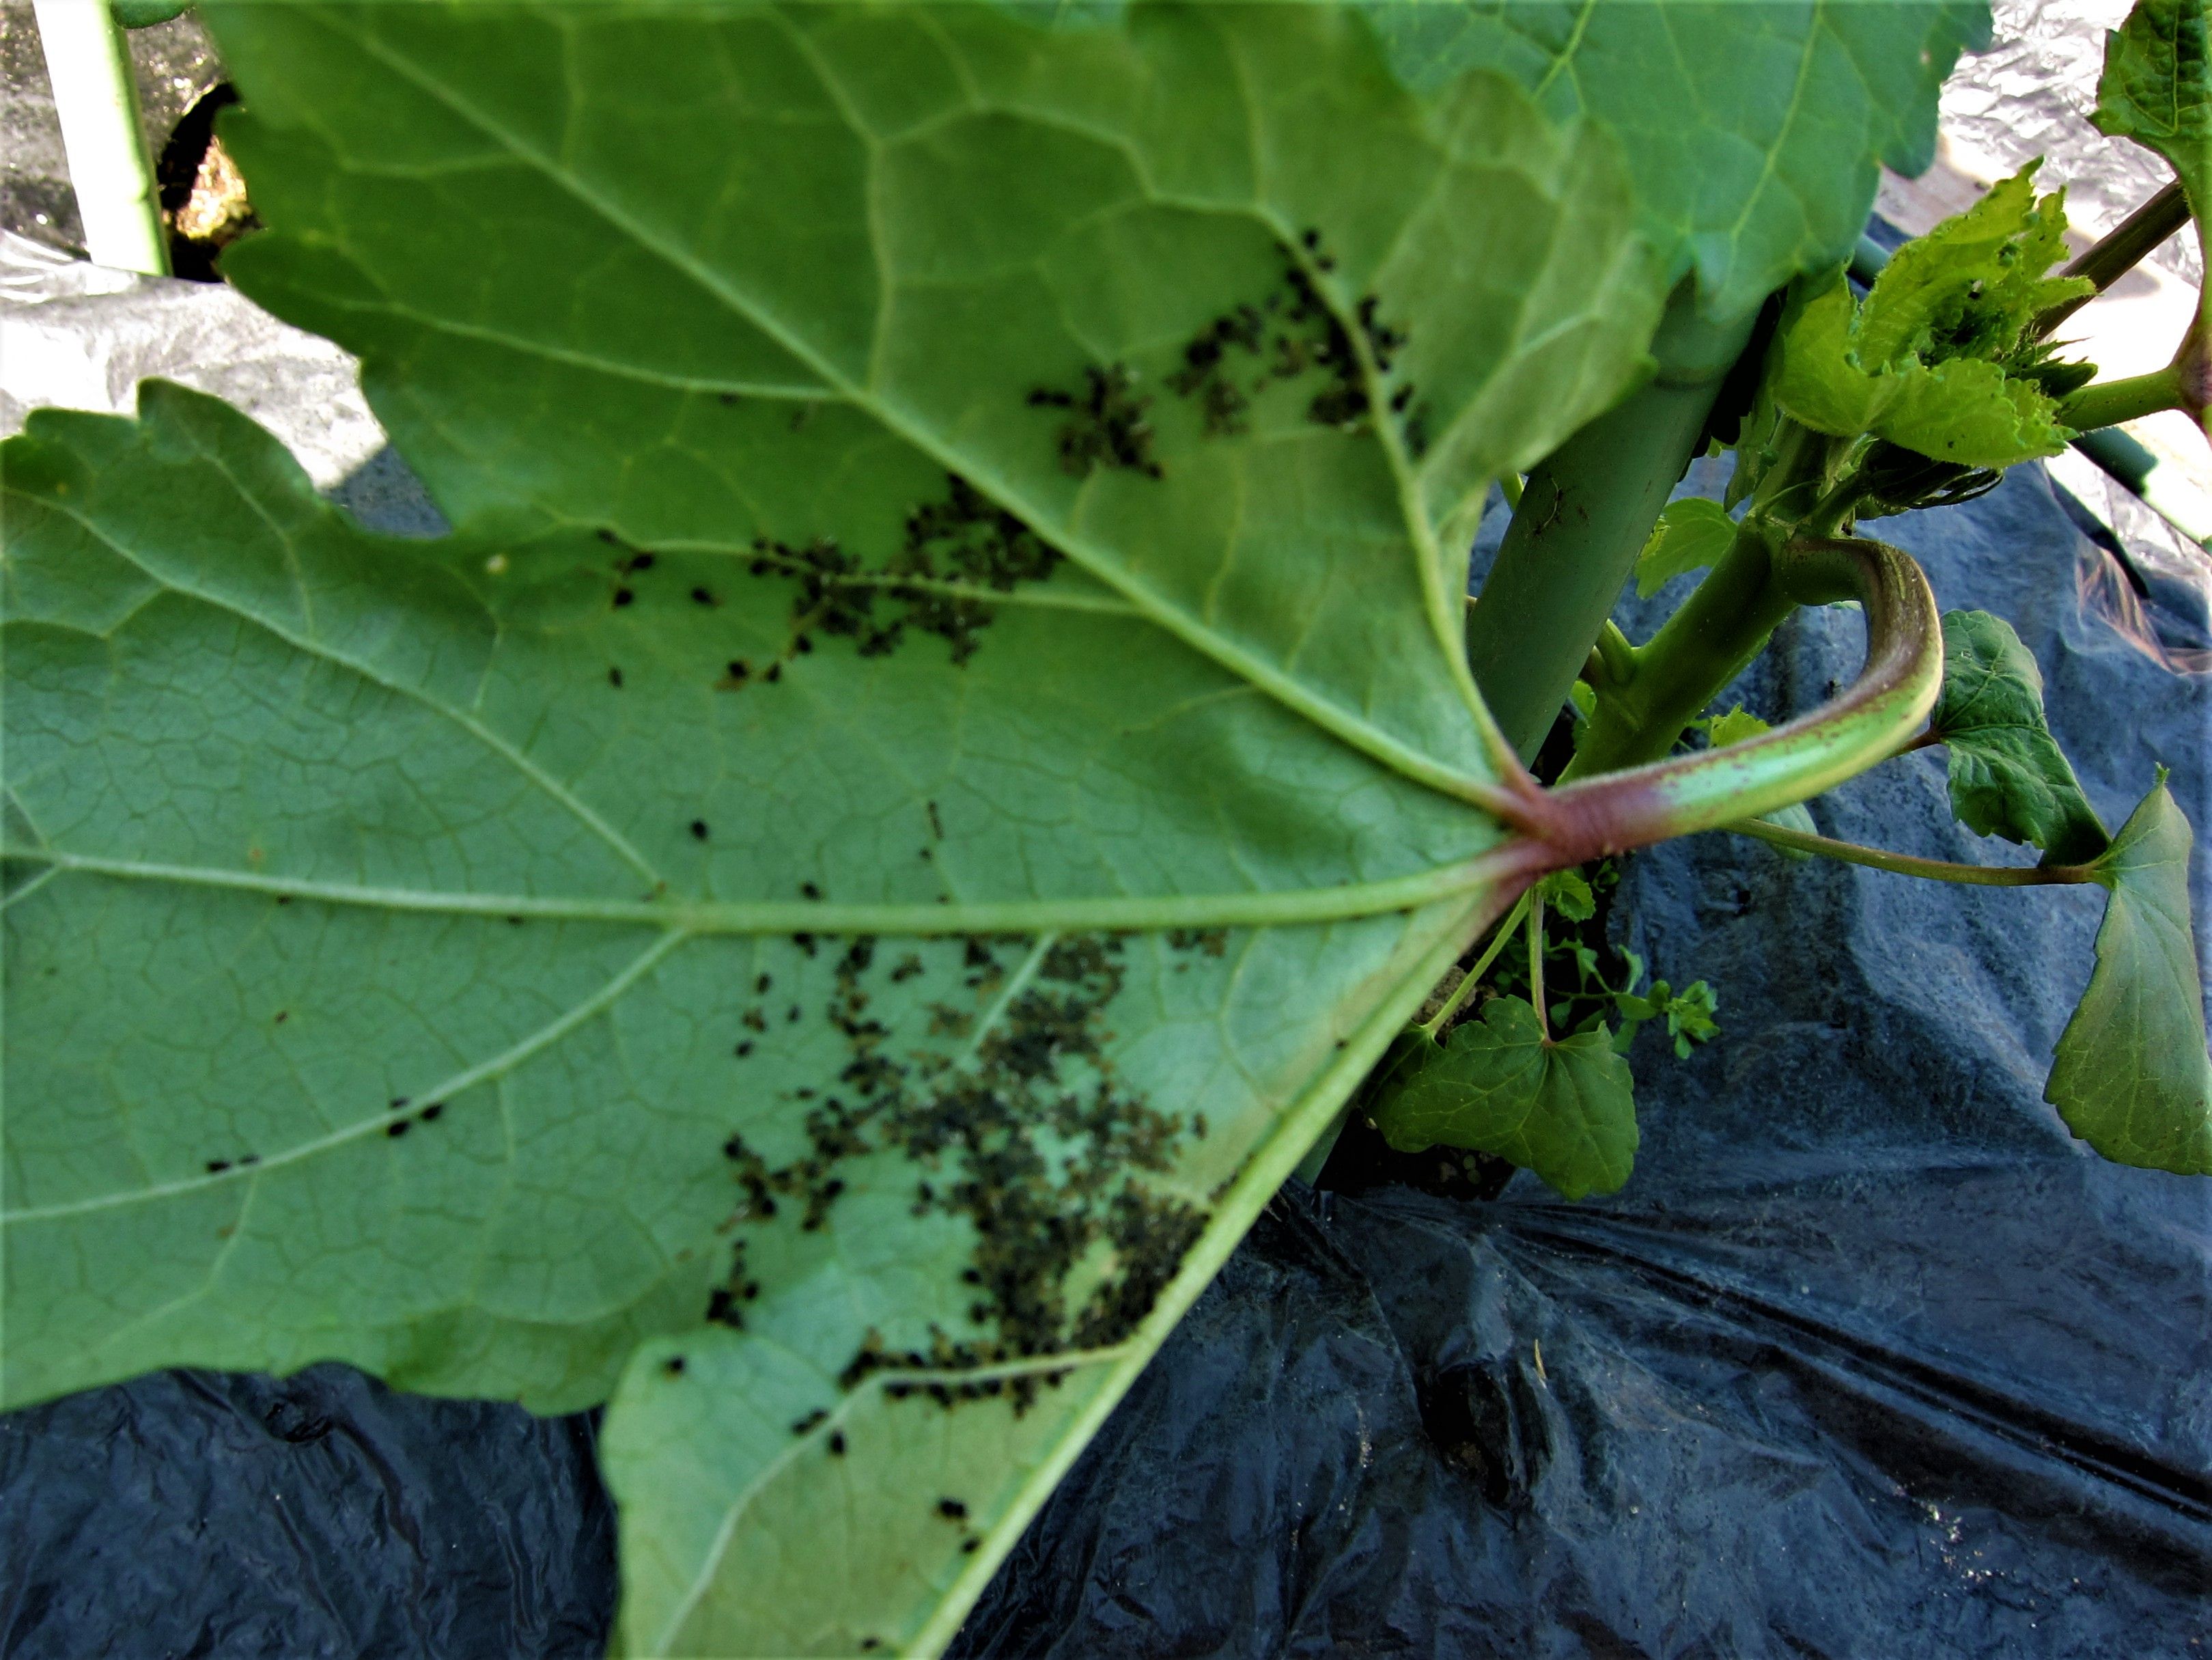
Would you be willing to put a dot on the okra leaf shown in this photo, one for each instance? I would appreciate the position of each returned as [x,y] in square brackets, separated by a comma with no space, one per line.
[2131,1077]
[1974,284]
[1692,533]
[1569,893]
[1752,132]
[2157,87]
[937,753]
[1966,410]
[2007,776]
[1971,412]
[1496,1084]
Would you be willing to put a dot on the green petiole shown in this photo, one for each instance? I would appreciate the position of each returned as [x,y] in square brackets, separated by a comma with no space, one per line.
[1465,989]
[1904,864]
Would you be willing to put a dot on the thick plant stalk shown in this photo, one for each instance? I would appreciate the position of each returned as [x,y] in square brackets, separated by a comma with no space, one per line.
[1584,516]
[2121,249]
[1709,641]
[98,104]
[2109,403]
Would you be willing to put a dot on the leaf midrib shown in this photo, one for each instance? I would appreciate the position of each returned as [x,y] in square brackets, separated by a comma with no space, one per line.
[1250,908]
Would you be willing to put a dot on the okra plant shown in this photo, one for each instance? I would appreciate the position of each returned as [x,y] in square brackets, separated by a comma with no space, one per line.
[946,741]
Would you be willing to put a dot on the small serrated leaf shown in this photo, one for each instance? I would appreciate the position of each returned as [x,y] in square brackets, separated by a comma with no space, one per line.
[1691,534]
[1971,412]
[1733,726]
[2131,1077]
[1974,283]
[2007,776]
[1564,1110]
[1566,892]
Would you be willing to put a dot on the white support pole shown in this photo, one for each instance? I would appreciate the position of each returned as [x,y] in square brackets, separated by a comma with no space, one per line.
[98,104]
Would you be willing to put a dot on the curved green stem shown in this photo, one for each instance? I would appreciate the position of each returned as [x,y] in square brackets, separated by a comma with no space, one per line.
[1903,864]
[1883,707]
[1706,643]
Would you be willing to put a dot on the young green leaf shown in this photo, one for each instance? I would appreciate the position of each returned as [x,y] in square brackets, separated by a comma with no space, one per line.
[1973,285]
[938,751]
[1973,414]
[1564,1109]
[2007,776]
[1751,130]
[2131,1077]
[1733,726]
[1692,533]
[1568,893]
[1963,410]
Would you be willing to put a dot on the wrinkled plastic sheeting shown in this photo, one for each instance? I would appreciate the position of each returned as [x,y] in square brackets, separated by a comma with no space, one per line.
[208,1514]
[2031,95]
[1871,1358]
[81,336]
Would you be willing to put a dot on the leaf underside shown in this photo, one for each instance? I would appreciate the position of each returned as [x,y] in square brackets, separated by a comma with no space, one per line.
[936,752]
[2132,1078]
[2156,88]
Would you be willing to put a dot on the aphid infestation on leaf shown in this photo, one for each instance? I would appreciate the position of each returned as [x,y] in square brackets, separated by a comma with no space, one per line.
[906,1029]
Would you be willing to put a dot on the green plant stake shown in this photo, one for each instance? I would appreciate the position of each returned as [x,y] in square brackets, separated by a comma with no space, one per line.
[90,66]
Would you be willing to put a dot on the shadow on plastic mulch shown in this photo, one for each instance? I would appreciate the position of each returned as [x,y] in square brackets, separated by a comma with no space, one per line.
[1870,1358]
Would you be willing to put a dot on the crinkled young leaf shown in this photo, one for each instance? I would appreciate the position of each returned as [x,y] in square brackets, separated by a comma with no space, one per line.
[1751,130]
[1963,410]
[2132,1078]
[1692,533]
[2007,776]
[937,753]
[1972,286]
[1972,413]
[1564,1110]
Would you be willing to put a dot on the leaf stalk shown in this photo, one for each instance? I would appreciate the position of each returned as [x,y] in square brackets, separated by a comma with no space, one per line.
[1903,864]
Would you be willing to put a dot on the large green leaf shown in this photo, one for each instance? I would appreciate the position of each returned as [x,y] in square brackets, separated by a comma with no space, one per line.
[2132,1078]
[936,755]
[2157,87]
[2007,776]
[1752,127]
[1565,1109]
